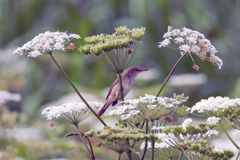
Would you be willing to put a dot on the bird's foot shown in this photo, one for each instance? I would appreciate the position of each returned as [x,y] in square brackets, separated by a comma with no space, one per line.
[121,89]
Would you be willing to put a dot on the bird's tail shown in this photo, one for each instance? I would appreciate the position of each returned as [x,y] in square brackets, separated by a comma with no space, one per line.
[104,108]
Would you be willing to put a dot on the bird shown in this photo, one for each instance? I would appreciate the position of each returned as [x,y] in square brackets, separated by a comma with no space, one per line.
[113,96]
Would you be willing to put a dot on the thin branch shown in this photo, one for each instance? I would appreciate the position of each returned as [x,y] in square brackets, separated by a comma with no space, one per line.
[65,75]
[129,155]
[145,148]
[152,147]
[120,86]
[80,134]
[238,155]
[180,157]
[228,135]
[169,75]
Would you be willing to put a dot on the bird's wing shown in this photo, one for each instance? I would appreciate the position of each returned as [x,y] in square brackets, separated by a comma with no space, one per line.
[110,90]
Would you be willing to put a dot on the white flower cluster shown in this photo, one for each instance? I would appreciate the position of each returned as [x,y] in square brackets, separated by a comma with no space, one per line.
[128,108]
[46,42]
[192,42]
[218,150]
[151,99]
[213,104]
[186,123]
[157,128]
[7,96]
[171,139]
[213,120]
[77,109]
[156,145]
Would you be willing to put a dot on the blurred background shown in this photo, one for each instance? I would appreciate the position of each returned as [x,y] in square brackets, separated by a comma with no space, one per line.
[24,131]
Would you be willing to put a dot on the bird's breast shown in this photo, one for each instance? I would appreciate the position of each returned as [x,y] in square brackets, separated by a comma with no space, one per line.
[127,85]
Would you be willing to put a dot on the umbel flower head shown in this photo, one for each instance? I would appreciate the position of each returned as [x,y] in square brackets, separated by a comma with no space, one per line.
[162,149]
[114,51]
[214,104]
[173,135]
[192,42]
[222,107]
[121,139]
[70,113]
[191,138]
[148,108]
[45,43]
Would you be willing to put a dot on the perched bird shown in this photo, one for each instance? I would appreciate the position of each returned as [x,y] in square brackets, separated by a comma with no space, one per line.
[114,96]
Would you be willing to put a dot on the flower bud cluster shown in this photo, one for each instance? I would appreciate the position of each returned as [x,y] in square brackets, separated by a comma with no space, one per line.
[182,111]
[122,133]
[233,115]
[136,33]
[185,132]
[120,39]
[192,138]
[90,133]
[120,138]
[201,149]
[173,135]
[225,154]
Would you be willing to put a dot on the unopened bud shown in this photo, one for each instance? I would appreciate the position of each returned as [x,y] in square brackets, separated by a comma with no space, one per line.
[99,144]
[185,146]
[210,148]
[72,46]
[163,117]
[51,124]
[196,67]
[147,117]
[68,48]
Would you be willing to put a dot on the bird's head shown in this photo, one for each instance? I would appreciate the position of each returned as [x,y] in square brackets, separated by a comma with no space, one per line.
[135,71]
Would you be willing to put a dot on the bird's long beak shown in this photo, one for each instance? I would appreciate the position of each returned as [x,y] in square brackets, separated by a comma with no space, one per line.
[144,70]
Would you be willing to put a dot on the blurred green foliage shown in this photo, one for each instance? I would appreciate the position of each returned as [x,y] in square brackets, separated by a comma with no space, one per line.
[40,82]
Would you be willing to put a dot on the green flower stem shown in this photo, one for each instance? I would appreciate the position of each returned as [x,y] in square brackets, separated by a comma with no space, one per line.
[142,124]
[145,148]
[190,155]
[178,120]
[90,146]
[238,155]
[169,75]
[152,151]
[120,86]
[129,155]
[119,156]
[187,155]
[65,75]
[229,136]
[80,134]
[180,157]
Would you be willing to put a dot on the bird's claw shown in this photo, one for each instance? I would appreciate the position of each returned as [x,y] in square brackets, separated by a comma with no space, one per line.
[121,89]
